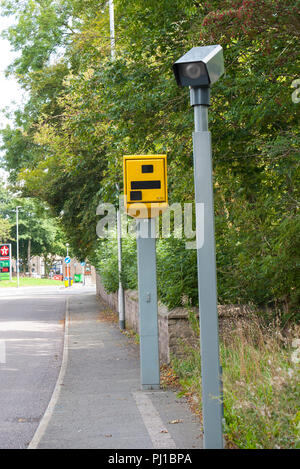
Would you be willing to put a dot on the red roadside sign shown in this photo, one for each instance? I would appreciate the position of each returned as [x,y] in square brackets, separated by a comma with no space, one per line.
[4,252]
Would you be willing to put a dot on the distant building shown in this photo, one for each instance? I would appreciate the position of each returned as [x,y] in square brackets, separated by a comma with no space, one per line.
[38,268]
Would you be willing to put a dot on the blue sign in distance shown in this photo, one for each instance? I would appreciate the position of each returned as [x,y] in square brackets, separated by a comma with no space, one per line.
[82,264]
[67,260]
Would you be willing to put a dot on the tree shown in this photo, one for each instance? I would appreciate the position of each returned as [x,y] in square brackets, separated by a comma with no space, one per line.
[85,112]
[5,228]
[39,232]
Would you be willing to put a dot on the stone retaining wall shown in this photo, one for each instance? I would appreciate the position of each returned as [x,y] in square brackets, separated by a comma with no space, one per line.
[174,326]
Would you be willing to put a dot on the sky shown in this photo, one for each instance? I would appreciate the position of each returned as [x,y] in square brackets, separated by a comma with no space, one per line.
[10,92]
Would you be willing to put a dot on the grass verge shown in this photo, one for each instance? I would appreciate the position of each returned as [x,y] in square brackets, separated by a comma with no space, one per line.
[30,282]
[261,385]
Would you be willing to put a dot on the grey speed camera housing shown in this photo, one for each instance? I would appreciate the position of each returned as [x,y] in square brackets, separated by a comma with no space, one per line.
[200,66]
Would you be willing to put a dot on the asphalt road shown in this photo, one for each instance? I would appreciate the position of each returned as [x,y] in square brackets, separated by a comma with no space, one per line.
[31,345]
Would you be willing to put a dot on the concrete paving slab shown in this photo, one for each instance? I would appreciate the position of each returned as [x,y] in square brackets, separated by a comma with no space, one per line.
[100,403]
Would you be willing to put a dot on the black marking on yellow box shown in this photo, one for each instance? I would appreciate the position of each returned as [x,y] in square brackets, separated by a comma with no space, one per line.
[145,185]
[147,168]
[135,195]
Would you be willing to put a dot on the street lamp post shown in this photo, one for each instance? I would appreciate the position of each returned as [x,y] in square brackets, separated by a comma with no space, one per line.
[121,305]
[199,69]
[121,302]
[83,276]
[112,28]
[68,267]
[17,260]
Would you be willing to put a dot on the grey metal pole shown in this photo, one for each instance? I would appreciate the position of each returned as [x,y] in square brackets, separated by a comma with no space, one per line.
[10,266]
[149,348]
[17,264]
[68,266]
[83,276]
[121,292]
[112,28]
[121,302]
[207,282]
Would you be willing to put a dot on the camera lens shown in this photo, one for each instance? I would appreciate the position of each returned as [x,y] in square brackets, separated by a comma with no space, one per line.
[192,70]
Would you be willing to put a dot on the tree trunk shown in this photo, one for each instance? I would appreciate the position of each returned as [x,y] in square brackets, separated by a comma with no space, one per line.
[29,257]
[46,265]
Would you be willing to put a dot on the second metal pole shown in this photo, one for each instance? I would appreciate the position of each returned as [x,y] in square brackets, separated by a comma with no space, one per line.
[149,348]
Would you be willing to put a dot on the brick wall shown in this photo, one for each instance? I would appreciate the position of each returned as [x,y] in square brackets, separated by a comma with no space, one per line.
[174,326]
[110,298]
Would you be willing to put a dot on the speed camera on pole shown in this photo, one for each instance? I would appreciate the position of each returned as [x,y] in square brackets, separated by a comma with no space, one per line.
[145,191]
[199,68]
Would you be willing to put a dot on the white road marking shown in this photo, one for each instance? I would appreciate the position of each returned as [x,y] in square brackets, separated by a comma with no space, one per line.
[49,411]
[157,431]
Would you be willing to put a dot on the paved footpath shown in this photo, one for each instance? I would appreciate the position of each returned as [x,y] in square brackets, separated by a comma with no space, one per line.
[98,403]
